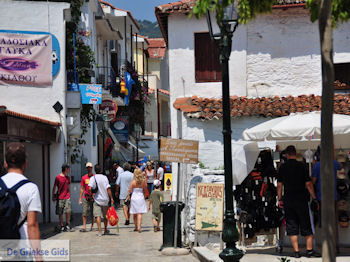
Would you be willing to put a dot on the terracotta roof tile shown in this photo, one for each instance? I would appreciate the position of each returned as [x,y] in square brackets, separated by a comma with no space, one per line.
[185,6]
[33,118]
[163,91]
[156,48]
[211,108]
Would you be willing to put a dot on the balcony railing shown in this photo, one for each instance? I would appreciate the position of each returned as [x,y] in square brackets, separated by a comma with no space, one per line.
[106,76]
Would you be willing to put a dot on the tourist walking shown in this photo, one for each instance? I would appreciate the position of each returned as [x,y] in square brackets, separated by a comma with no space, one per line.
[295,181]
[123,184]
[160,175]
[86,199]
[138,191]
[61,194]
[155,199]
[19,221]
[99,185]
[149,173]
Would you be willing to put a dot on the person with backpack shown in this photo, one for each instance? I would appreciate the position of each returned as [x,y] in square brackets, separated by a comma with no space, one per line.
[100,187]
[61,194]
[19,199]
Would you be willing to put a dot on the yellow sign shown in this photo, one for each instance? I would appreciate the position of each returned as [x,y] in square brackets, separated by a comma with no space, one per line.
[168,181]
[209,207]
[179,150]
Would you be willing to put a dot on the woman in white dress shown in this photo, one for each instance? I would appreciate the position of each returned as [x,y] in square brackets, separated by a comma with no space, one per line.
[138,190]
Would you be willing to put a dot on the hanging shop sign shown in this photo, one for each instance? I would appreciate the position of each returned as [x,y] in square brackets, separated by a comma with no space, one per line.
[209,207]
[28,58]
[120,128]
[25,59]
[108,108]
[179,150]
[91,94]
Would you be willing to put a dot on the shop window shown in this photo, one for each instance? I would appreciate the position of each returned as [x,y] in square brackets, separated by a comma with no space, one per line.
[207,63]
[342,76]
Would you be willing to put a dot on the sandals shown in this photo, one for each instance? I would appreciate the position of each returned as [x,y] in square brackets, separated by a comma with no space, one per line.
[82,230]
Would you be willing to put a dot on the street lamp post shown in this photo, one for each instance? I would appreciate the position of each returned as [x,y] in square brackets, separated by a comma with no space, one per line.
[227,21]
[138,131]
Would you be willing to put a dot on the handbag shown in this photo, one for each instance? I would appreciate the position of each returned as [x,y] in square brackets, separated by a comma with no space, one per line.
[94,190]
[112,216]
[127,200]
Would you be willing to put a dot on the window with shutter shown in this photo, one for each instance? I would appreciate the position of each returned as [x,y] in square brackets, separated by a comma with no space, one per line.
[207,63]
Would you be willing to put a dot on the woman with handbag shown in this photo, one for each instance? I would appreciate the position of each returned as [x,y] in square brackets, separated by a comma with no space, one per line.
[137,194]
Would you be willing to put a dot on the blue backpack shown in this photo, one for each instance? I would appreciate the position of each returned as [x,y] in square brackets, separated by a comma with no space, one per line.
[10,211]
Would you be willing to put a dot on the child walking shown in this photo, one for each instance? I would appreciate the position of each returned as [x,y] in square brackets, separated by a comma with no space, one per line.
[155,199]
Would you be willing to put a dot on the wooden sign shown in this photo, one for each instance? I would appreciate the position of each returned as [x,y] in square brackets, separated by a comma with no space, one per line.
[209,207]
[179,151]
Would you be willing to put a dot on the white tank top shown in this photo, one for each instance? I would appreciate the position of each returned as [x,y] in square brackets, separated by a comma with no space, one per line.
[150,176]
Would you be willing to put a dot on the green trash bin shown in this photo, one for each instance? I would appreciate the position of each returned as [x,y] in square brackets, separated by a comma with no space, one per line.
[168,210]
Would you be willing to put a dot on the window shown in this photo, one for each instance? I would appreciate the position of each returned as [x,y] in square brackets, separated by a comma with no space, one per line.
[207,63]
[342,76]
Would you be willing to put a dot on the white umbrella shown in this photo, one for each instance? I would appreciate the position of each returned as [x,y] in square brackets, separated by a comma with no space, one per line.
[296,126]
[244,156]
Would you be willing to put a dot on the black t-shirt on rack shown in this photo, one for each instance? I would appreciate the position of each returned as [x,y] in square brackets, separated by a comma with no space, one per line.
[293,174]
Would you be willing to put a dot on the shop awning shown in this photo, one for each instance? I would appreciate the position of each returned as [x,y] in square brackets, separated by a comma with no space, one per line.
[18,126]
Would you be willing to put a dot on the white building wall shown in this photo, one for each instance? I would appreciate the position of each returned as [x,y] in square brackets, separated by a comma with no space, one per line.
[182,60]
[275,54]
[46,17]
[283,53]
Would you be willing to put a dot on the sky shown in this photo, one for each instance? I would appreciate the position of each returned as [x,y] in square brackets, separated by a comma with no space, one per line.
[140,9]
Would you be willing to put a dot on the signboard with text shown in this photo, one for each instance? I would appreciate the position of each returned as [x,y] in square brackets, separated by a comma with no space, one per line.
[179,150]
[91,94]
[209,207]
[168,180]
[25,59]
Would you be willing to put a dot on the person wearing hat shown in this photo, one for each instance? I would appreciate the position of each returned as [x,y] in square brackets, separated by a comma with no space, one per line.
[61,194]
[86,199]
[155,199]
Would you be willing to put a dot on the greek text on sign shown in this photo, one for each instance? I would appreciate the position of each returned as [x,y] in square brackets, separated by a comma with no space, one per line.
[209,206]
[179,150]
[25,59]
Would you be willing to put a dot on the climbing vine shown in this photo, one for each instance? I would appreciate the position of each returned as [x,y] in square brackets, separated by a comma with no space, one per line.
[84,58]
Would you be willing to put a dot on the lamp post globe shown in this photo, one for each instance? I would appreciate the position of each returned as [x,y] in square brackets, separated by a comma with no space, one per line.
[221,31]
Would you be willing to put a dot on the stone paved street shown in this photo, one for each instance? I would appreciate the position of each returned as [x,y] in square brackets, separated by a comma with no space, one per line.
[123,246]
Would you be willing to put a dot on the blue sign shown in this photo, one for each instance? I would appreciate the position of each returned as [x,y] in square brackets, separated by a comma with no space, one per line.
[91,94]
[120,128]
[56,53]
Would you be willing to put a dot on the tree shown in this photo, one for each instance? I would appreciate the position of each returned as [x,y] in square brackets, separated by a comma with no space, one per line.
[329,13]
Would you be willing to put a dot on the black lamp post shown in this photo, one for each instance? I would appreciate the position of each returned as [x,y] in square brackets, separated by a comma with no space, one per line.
[138,131]
[227,22]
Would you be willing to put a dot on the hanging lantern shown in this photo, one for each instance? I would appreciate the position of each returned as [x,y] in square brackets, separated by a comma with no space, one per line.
[123,89]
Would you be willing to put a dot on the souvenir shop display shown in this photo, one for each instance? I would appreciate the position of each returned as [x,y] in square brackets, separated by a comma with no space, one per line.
[257,198]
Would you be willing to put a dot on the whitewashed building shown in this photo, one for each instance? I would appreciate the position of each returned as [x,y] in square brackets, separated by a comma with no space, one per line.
[27,112]
[275,58]
[274,69]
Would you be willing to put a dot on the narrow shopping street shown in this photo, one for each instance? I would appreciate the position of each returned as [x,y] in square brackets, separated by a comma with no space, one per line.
[126,245]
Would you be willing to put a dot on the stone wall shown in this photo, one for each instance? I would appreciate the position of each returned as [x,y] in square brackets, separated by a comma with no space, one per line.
[199,176]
